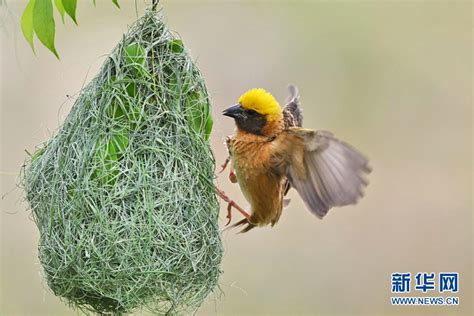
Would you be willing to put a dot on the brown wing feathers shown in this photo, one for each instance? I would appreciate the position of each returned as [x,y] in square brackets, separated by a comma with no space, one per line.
[292,113]
[334,172]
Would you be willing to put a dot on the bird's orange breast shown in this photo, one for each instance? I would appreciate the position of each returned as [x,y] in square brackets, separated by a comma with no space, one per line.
[261,186]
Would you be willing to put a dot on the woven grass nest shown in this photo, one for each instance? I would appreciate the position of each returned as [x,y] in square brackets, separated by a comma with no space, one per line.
[123,194]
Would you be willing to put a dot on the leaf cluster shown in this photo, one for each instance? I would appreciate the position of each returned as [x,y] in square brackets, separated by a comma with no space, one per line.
[38,19]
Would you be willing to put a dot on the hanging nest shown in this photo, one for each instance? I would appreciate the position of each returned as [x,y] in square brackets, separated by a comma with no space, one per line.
[123,195]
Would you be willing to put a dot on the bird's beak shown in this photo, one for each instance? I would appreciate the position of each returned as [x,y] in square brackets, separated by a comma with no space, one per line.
[233,111]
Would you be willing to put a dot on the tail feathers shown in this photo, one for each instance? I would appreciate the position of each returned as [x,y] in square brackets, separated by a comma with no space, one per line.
[245,221]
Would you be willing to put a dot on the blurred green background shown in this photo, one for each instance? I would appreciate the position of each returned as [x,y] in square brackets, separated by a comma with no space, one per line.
[392,78]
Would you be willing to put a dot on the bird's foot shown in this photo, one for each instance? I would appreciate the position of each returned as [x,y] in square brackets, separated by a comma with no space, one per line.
[224,165]
[232,176]
[231,204]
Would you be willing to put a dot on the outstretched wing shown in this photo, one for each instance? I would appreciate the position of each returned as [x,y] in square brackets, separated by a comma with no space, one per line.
[329,173]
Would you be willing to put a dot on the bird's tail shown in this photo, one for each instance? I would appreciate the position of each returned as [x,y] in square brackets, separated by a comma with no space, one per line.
[242,222]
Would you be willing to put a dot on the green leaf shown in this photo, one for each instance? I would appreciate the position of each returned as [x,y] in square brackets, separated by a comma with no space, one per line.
[135,54]
[176,46]
[135,57]
[111,152]
[60,8]
[120,142]
[38,153]
[197,111]
[177,82]
[116,112]
[131,88]
[38,18]
[128,113]
[173,81]
[106,160]
[70,8]
[27,24]
[208,128]
[43,24]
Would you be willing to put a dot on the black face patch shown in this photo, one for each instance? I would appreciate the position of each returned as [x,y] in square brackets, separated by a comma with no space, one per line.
[251,122]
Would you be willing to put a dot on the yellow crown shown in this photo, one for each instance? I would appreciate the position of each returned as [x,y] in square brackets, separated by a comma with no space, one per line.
[261,102]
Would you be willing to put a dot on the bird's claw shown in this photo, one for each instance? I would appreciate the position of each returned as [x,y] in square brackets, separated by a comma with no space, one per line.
[231,204]
[229,214]
[232,176]
[224,165]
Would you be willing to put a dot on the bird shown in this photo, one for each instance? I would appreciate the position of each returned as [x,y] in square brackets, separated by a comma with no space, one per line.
[270,153]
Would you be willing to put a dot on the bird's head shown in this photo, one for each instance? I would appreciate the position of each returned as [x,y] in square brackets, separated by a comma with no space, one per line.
[256,109]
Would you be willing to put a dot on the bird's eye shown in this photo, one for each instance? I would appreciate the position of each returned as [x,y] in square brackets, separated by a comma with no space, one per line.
[251,112]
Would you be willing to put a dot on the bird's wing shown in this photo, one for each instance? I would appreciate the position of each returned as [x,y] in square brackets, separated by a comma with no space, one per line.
[329,172]
[292,117]
[292,112]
